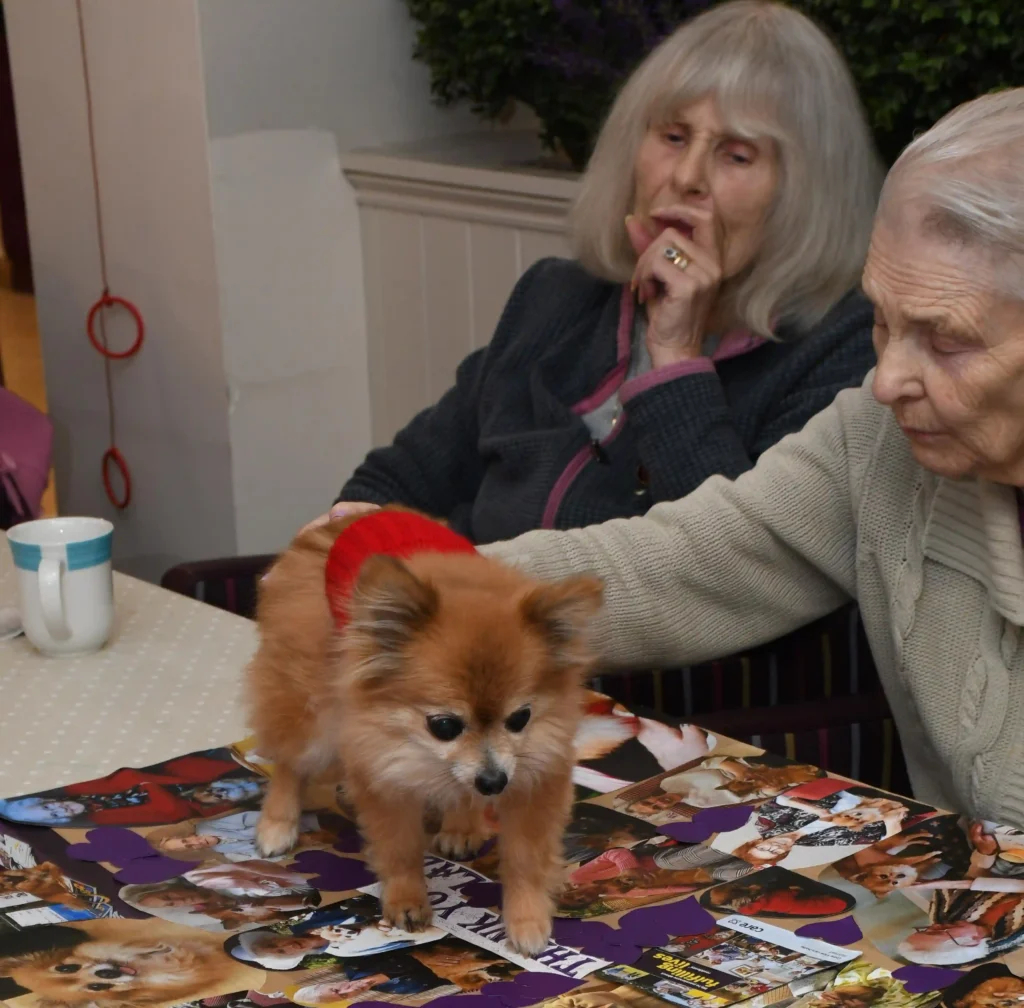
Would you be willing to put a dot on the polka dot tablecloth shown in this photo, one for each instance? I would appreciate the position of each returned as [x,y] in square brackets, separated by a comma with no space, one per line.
[166,684]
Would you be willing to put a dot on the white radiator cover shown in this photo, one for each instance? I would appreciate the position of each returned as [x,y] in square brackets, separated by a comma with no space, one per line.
[447,229]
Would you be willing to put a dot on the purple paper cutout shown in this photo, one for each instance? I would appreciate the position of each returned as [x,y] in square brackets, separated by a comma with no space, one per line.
[844,931]
[545,984]
[333,873]
[150,869]
[686,917]
[577,932]
[647,927]
[624,955]
[922,979]
[707,822]
[349,842]
[482,894]
[113,844]
[522,993]
[138,861]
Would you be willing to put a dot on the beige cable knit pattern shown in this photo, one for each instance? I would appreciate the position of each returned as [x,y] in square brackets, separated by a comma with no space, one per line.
[840,510]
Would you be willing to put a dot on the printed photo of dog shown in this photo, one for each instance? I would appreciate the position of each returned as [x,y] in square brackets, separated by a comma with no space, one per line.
[98,963]
[450,687]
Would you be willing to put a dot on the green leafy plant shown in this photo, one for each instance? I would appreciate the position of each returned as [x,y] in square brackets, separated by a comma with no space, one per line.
[913,60]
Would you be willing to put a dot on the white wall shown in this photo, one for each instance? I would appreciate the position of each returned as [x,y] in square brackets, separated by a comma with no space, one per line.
[290,85]
[150,120]
[219,124]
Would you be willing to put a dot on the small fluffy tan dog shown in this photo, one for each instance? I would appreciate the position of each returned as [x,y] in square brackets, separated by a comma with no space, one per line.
[452,683]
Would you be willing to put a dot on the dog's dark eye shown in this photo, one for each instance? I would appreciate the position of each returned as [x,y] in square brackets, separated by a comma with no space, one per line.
[444,727]
[519,720]
[99,987]
[67,968]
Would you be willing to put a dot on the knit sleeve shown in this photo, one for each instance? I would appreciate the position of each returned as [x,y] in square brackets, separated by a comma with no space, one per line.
[686,428]
[734,564]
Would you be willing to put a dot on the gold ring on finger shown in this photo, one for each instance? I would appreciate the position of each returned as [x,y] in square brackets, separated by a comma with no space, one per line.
[674,256]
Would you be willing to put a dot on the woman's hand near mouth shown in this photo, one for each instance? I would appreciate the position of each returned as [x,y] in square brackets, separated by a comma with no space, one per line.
[679,302]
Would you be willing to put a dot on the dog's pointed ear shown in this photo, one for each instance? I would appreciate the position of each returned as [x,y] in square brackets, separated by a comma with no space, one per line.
[563,611]
[389,606]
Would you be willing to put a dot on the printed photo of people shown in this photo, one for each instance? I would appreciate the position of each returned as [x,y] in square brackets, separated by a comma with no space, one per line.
[934,849]
[737,780]
[711,783]
[615,747]
[595,829]
[348,929]
[199,785]
[233,837]
[993,985]
[952,927]
[118,962]
[413,976]
[226,897]
[818,823]
[864,985]
[777,892]
[625,877]
[971,913]
[945,847]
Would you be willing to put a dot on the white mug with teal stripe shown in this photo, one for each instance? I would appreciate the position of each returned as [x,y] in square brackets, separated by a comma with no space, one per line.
[67,597]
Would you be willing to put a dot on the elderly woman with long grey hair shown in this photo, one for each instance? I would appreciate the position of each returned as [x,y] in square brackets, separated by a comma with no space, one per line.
[720,228]
[903,494]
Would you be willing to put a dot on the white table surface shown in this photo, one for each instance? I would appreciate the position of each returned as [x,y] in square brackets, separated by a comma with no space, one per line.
[167,683]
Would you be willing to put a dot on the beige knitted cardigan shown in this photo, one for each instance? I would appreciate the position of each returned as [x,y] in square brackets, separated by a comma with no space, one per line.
[837,511]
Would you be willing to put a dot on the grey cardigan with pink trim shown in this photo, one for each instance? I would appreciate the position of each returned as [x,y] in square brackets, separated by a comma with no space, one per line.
[505,450]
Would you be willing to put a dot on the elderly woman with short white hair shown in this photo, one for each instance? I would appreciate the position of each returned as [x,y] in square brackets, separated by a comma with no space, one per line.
[720,230]
[902,495]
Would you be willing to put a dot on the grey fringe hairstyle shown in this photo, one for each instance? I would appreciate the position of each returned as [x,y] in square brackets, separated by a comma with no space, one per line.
[773,73]
[967,170]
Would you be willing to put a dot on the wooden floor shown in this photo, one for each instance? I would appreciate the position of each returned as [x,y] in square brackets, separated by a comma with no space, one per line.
[21,356]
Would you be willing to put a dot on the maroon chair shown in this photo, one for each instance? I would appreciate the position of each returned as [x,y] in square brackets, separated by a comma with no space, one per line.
[813,695]
[228,583]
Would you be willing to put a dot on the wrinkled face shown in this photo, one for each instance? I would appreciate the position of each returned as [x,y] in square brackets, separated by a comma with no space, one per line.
[234,789]
[168,898]
[466,685]
[46,810]
[193,842]
[950,349]
[654,804]
[291,945]
[694,162]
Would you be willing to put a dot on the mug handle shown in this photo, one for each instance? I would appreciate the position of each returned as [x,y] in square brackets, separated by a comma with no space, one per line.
[50,596]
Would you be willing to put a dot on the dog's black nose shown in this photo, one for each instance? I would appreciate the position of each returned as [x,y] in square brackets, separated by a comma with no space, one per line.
[491,781]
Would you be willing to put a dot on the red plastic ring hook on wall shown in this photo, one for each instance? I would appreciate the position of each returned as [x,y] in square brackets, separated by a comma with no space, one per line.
[112,457]
[108,301]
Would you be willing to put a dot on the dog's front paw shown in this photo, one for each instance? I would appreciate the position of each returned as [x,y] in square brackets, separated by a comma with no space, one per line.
[275,837]
[406,906]
[527,914]
[528,936]
[459,846]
